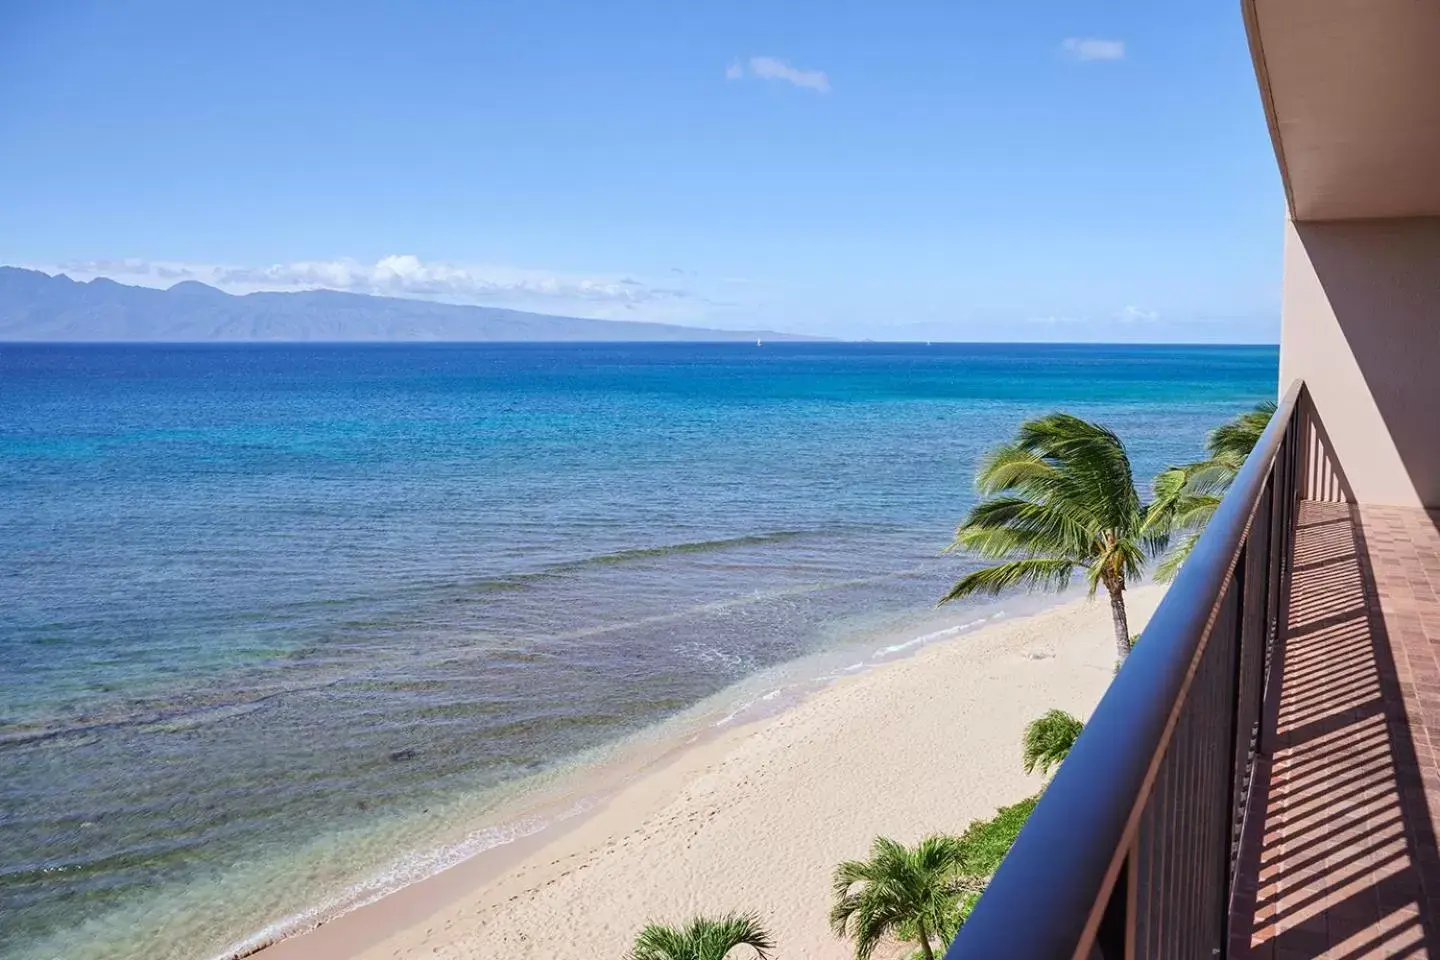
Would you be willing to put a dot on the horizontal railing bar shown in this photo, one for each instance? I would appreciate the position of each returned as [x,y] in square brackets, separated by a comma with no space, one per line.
[1045,901]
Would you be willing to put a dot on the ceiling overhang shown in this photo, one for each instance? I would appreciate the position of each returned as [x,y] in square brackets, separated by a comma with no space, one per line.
[1352,93]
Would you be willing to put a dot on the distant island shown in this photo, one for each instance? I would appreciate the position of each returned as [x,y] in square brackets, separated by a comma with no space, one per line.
[35,306]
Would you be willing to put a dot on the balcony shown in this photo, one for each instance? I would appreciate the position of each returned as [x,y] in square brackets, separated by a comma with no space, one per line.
[1260,780]
[1340,856]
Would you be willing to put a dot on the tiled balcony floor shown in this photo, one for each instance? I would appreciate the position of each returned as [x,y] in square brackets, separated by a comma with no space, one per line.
[1340,860]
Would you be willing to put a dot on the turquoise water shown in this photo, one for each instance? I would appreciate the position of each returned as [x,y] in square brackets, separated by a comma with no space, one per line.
[272,617]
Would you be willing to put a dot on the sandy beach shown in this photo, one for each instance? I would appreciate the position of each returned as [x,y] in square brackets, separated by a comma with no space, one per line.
[756,818]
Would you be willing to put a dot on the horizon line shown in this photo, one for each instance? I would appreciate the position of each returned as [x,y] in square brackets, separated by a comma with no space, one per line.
[787,340]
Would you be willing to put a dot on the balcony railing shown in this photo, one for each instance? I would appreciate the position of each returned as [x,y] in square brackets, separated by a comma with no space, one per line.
[1132,851]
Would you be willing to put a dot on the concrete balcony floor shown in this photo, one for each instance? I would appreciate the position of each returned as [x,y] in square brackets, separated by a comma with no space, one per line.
[1340,858]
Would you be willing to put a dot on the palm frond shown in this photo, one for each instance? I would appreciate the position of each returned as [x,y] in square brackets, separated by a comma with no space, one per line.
[1187,497]
[1032,573]
[1168,488]
[1209,478]
[900,892]
[659,942]
[1181,491]
[1232,441]
[1008,467]
[1194,513]
[1170,564]
[1093,465]
[1048,740]
[1131,555]
[1005,526]
[703,938]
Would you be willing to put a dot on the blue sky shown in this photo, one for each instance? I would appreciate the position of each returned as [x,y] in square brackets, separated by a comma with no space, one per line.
[1053,170]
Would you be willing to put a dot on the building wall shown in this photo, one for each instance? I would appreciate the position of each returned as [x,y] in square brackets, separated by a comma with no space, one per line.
[1360,322]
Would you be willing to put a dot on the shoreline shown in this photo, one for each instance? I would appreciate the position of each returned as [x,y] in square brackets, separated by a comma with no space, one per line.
[646,813]
[571,792]
[546,804]
[346,933]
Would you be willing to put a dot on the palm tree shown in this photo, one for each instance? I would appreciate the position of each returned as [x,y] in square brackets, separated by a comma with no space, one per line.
[1186,497]
[1060,498]
[908,893]
[1048,740]
[703,939]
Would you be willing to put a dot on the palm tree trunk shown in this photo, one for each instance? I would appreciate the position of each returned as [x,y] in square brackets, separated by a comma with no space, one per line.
[1122,624]
[924,940]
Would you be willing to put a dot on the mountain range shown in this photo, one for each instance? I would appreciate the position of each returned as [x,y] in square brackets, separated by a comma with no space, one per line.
[38,306]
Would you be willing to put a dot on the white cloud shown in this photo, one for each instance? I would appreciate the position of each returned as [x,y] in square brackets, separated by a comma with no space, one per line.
[1137,315]
[1092,48]
[769,68]
[398,275]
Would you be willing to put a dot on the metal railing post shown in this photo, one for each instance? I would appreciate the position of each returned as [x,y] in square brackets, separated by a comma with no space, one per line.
[1231,794]
[1115,938]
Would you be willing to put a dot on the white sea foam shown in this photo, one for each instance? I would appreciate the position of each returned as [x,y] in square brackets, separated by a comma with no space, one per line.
[742,708]
[928,638]
[730,717]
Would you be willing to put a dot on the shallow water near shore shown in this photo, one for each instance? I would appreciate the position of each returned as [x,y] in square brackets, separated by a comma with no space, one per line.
[282,625]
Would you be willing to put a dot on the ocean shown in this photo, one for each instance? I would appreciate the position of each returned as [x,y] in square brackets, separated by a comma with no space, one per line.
[282,626]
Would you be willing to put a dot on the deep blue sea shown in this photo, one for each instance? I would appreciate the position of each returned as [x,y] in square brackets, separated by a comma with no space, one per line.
[278,624]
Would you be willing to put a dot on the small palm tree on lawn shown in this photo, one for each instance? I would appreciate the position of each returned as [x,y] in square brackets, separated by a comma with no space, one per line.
[1048,740]
[703,939]
[901,892]
[1186,497]
[1058,499]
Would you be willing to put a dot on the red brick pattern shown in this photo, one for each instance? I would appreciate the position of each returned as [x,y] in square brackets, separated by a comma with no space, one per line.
[1340,856]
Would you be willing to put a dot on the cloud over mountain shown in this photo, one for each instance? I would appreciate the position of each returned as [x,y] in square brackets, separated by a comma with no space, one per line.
[397,275]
